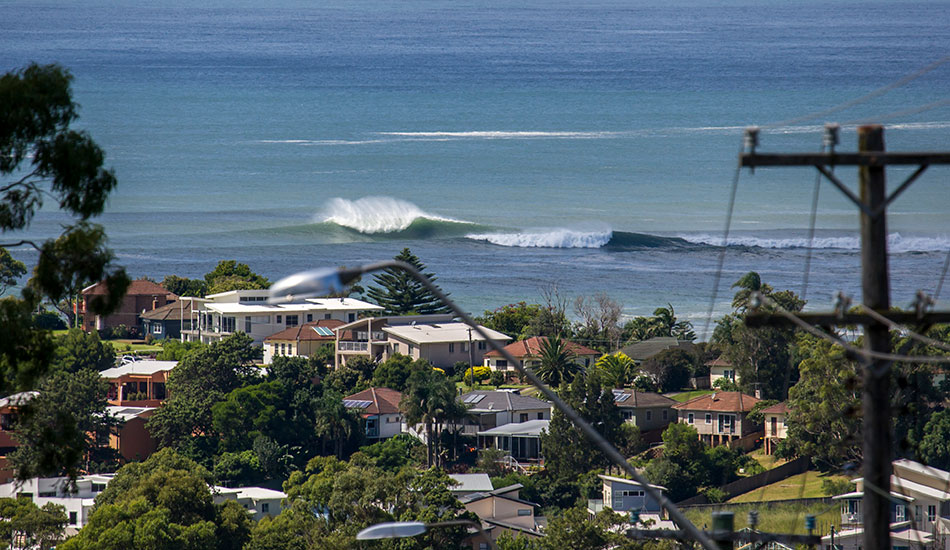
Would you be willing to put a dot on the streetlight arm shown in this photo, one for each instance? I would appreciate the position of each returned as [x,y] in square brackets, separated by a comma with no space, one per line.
[605,446]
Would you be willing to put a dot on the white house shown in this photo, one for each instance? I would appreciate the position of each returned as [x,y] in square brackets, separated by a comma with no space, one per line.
[379,408]
[627,496]
[225,313]
[55,490]
[504,511]
[258,501]
[488,409]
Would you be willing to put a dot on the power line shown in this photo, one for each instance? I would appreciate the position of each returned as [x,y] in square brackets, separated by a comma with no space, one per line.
[902,113]
[943,275]
[914,335]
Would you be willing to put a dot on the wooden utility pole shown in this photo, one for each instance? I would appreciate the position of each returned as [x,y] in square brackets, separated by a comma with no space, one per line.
[872,201]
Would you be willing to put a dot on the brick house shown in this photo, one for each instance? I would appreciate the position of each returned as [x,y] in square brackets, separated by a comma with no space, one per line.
[720,417]
[143,295]
[528,354]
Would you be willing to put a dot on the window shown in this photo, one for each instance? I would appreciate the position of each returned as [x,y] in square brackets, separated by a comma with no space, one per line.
[540,416]
[292,320]
[247,325]
[98,487]
[931,512]
[524,417]
[328,316]
[279,319]
[708,418]
[451,347]
[265,507]
[650,416]
[524,511]
[158,392]
[157,328]
[689,418]
[227,324]
[899,512]
[482,344]
[464,346]
[410,348]
[630,493]
[73,518]
[501,364]
[310,317]
[483,546]
[351,317]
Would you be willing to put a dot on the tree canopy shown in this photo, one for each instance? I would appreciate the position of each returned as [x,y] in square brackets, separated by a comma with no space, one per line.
[401,294]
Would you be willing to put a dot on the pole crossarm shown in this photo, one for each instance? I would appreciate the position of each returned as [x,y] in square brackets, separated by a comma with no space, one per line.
[725,536]
[869,158]
[833,319]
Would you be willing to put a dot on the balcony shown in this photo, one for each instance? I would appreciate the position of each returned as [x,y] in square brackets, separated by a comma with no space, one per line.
[353,346]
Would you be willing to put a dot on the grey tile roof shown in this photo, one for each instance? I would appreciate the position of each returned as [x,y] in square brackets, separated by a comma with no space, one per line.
[495,400]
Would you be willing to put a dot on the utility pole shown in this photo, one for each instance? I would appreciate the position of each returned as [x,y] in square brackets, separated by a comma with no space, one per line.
[471,357]
[872,201]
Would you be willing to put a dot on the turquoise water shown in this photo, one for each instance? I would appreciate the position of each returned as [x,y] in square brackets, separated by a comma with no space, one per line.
[511,147]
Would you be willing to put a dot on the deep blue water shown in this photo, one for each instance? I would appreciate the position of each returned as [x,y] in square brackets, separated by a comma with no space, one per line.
[233,129]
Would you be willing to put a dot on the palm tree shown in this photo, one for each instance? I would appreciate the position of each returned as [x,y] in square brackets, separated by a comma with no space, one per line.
[333,422]
[557,362]
[616,369]
[665,324]
[430,399]
[747,285]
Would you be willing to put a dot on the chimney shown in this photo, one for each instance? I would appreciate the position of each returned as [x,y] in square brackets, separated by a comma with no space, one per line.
[758,393]
[154,302]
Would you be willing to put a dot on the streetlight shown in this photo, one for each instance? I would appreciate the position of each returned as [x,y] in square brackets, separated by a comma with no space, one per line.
[320,282]
[402,529]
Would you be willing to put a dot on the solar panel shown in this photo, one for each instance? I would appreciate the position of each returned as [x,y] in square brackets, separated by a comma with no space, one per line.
[356,403]
[620,396]
[474,398]
[323,331]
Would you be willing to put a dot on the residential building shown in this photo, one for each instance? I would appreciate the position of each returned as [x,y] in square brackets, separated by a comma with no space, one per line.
[138,383]
[55,490]
[920,509]
[436,338]
[503,511]
[143,295]
[719,368]
[258,501]
[301,341]
[379,408]
[225,313]
[528,354]
[8,413]
[645,410]
[521,440]
[490,408]
[131,438]
[646,349]
[470,483]
[776,425]
[167,321]
[626,496]
[721,418]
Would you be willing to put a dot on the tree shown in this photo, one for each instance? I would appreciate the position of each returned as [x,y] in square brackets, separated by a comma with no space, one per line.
[663,323]
[72,406]
[600,316]
[557,363]
[185,287]
[934,448]
[230,275]
[430,399]
[393,372]
[511,319]
[335,424]
[670,368]
[399,293]
[616,370]
[78,350]
[573,529]
[40,528]
[44,158]
[11,270]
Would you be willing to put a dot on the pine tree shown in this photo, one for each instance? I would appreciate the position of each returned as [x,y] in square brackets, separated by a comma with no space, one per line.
[400,294]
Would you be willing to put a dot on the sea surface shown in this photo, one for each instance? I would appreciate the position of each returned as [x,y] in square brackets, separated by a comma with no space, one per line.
[511,145]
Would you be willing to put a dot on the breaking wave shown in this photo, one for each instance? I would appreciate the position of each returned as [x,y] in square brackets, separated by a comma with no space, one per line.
[895,242]
[374,215]
[570,238]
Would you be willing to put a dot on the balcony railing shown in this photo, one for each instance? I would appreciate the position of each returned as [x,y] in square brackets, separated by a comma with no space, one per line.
[353,346]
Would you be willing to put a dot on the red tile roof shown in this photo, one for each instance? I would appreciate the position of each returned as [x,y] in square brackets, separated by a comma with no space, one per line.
[382,400]
[778,408]
[137,287]
[723,401]
[305,332]
[532,348]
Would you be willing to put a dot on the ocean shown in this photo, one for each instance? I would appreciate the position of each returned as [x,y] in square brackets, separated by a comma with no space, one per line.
[511,146]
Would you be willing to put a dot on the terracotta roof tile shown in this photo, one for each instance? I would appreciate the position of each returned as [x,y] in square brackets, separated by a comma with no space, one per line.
[532,348]
[382,400]
[778,408]
[137,287]
[305,332]
[723,401]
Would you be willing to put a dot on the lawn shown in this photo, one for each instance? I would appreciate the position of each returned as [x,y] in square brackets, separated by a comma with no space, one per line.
[804,485]
[687,395]
[785,517]
[135,346]
[767,461]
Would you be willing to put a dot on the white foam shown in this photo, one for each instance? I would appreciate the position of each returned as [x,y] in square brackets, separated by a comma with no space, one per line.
[895,242]
[375,214]
[554,238]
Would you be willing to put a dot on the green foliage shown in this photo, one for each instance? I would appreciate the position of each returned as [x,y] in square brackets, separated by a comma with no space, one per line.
[670,368]
[755,416]
[515,320]
[835,486]
[78,350]
[430,399]
[174,350]
[335,425]
[231,275]
[497,378]
[44,319]
[296,528]
[239,469]
[573,529]
[479,373]
[663,323]
[557,362]
[73,407]
[249,412]
[11,270]
[616,369]
[934,448]
[715,495]
[488,461]
[185,287]
[393,453]
[164,502]
[725,384]
[401,294]
[42,528]
[393,372]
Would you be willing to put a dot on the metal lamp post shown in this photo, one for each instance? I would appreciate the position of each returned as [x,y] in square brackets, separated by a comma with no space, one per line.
[402,529]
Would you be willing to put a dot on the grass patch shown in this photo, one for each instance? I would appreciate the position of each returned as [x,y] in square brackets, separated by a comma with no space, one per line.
[133,346]
[687,395]
[767,461]
[787,517]
[804,485]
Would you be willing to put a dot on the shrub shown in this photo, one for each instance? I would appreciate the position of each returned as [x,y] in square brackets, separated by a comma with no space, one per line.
[832,486]
[481,373]
[497,378]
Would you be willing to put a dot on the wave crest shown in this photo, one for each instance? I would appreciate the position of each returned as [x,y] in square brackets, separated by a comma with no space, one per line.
[376,214]
[555,238]
[895,242]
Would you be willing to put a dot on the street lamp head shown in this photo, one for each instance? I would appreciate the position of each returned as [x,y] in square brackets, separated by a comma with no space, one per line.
[392,530]
[311,284]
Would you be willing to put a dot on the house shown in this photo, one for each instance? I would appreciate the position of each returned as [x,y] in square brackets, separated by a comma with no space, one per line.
[301,341]
[467,484]
[626,496]
[645,410]
[169,320]
[719,368]
[528,354]
[138,383]
[258,501]
[521,440]
[920,509]
[222,314]
[720,418]
[503,511]
[55,490]
[8,413]
[131,439]
[143,295]
[776,425]
[436,338]
[646,349]
[490,408]
[379,408]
